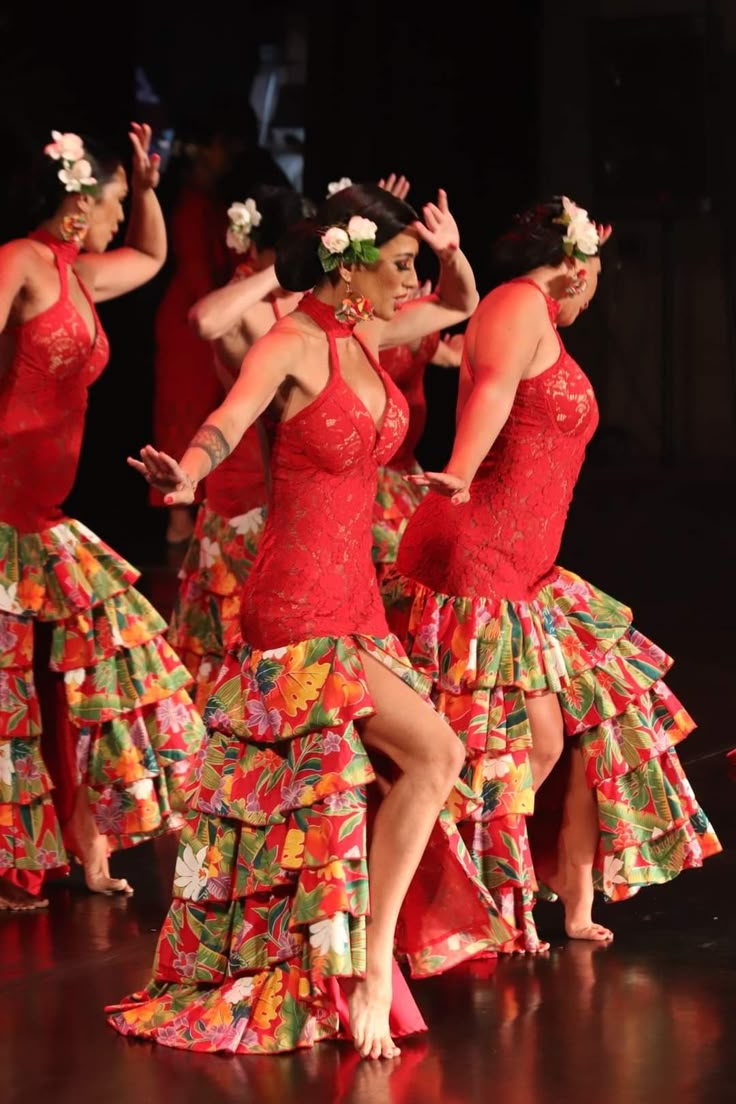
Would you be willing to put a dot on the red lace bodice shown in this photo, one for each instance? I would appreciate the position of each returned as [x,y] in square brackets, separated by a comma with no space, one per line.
[406,369]
[43,401]
[314,575]
[504,542]
[239,483]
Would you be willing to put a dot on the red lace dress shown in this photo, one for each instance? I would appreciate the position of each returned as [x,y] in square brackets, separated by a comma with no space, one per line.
[271,886]
[485,613]
[82,656]
[187,389]
[396,500]
[220,556]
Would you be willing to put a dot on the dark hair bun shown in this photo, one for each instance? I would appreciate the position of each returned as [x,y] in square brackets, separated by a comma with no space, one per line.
[534,240]
[298,266]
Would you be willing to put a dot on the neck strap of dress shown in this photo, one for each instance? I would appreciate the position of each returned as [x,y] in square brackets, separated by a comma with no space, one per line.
[324,315]
[66,251]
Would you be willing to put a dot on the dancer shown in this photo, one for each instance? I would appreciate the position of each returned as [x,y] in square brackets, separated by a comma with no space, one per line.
[230,522]
[524,656]
[283,924]
[83,662]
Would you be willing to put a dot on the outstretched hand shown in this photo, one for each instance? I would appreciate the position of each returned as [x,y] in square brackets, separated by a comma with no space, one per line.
[439,229]
[146,165]
[166,475]
[451,486]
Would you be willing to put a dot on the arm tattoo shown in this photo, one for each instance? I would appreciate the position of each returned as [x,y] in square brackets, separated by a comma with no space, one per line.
[209,439]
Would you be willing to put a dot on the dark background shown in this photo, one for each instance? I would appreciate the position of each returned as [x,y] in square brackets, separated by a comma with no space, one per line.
[625,106]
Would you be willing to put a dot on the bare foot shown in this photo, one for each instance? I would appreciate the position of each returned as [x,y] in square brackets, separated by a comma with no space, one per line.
[577,901]
[90,849]
[594,932]
[369,1004]
[14,899]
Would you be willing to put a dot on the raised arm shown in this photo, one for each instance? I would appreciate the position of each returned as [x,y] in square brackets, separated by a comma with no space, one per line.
[264,370]
[501,344]
[216,313]
[456,296]
[108,275]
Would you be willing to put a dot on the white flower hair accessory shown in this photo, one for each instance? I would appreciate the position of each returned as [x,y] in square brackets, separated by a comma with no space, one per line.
[244,217]
[338,185]
[351,244]
[75,172]
[581,239]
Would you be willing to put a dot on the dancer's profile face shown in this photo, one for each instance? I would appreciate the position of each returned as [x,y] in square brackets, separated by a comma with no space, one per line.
[105,214]
[389,282]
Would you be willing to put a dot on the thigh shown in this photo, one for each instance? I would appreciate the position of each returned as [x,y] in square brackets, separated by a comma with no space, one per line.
[405,727]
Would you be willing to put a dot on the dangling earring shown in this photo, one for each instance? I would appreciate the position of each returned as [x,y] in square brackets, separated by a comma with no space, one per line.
[578,283]
[353,310]
[74,228]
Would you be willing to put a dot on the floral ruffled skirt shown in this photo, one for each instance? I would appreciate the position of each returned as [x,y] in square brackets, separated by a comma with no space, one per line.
[207,608]
[116,689]
[483,656]
[271,890]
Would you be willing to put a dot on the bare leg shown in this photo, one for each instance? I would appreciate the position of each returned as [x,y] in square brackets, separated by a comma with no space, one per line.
[91,848]
[181,526]
[576,853]
[429,756]
[545,719]
[15,899]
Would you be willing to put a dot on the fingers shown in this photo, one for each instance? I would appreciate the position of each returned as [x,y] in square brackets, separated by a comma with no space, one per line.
[442,201]
[139,467]
[182,496]
[397,185]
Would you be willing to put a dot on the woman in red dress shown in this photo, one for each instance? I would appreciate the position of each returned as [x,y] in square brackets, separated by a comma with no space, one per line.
[230,522]
[283,925]
[83,664]
[524,656]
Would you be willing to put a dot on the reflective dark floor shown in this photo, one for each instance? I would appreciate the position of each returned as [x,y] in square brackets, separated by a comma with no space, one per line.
[651,1018]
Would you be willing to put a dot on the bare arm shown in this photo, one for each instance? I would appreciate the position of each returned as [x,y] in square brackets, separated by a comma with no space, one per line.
[264,369]
[501,344]
[108,275]
[456,296]
[219,311]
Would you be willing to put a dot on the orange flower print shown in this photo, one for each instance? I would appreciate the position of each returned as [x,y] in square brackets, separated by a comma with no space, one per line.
[30,594]
[269,1001]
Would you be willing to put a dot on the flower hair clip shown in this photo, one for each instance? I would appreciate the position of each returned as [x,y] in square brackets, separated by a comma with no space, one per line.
[244,217]
[338,185]
[351,244]
[75,172]
[582,239]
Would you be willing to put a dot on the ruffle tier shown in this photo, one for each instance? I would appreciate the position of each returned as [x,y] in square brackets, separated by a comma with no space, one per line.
[271,889]
[124,695]
[207,609]
[484,655]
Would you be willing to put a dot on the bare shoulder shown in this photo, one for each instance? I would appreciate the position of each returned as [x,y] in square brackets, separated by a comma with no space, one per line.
[286,341]
[19,253]
[510,305]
